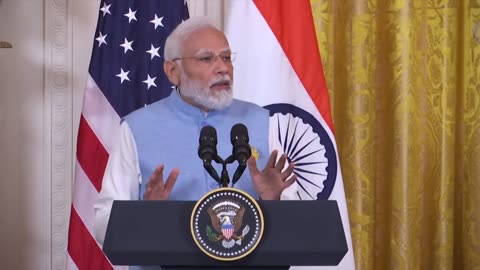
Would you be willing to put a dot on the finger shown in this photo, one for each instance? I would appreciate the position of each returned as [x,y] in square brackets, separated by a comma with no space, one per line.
[290,181]
[171,179]
[272,159]
[157,176]
[154,183]
[252,165]
[147,193]
[281,162]
[288,171]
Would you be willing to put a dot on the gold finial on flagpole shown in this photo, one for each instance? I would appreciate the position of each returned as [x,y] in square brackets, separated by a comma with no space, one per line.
[4,44]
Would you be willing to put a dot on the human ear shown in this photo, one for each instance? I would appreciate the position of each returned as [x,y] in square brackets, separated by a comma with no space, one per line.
[171,69]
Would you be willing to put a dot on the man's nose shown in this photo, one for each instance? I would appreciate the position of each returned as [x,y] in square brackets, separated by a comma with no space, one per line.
[220,65]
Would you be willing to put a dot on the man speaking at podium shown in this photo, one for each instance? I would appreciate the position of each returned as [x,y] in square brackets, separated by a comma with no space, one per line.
[156,154]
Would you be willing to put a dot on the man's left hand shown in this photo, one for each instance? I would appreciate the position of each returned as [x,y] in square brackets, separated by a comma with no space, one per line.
[271,181]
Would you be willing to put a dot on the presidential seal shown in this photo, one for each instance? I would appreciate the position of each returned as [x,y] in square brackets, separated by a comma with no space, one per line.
[227,224]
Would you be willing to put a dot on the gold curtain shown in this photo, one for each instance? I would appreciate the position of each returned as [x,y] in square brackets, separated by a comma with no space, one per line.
[404,82]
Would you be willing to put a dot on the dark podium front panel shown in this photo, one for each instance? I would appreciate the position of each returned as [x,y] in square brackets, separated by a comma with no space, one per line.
[158,233]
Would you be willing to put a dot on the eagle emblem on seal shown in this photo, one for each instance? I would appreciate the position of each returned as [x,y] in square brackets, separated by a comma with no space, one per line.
[227,219]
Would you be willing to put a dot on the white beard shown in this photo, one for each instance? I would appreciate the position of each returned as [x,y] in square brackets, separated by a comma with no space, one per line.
[204,96]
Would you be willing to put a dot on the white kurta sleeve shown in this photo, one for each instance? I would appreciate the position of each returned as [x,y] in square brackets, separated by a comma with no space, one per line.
[291,192]
[120,181]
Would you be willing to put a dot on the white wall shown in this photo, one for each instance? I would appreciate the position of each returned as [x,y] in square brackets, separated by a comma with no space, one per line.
[24,190]
[41,89]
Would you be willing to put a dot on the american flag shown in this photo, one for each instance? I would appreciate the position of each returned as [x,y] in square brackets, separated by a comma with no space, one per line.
[125,73]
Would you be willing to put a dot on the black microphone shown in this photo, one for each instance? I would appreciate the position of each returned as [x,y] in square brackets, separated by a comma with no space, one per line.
[241,149]
[207,149]
[239,138]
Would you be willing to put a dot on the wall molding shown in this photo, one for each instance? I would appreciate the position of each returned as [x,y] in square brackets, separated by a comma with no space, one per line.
[58,127]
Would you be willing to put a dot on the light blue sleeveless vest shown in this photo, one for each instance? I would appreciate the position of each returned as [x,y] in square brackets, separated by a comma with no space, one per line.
[167,132]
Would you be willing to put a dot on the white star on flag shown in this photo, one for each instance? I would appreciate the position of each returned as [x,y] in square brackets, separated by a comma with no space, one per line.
[153,51]
[131,15]
[150,81]
[157,21]
[127,45]
[101,39]
[106,9]
[123,75]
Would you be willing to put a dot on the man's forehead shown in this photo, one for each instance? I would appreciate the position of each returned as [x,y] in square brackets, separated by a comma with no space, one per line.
[205,38]
[210,51]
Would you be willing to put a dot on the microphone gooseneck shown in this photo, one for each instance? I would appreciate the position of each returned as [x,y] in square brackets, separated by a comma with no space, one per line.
[241,152]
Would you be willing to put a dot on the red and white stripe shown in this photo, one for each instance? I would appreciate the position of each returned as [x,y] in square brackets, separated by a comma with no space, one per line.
[97,124]
[278,61]
[227,233]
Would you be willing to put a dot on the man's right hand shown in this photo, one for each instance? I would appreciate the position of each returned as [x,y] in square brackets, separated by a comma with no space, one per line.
[157,189]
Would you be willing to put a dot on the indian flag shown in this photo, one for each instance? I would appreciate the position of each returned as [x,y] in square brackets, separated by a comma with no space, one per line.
[278,66]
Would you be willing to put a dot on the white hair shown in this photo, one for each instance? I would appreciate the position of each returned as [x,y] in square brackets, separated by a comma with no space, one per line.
[202,95]
[173,45]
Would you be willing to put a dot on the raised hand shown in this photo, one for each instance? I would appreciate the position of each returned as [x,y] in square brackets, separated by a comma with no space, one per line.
[271,181]
[157,189]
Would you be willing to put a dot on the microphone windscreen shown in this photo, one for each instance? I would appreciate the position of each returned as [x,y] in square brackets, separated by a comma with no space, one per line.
[208,132]
[239,131]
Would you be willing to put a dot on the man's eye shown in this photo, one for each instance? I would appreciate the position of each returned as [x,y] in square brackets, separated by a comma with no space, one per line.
[226,58]
[206,59]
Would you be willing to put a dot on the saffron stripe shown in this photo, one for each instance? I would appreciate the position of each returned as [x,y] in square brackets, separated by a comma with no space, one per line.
[82,248]
[299,42]
[91,154]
